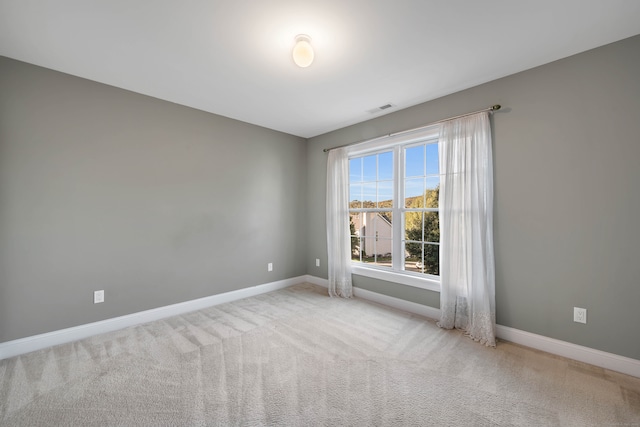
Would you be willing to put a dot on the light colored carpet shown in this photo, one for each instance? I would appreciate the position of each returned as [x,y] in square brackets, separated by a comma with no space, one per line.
[296,357]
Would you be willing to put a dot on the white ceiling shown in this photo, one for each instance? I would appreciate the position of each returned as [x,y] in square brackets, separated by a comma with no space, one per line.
[233,57]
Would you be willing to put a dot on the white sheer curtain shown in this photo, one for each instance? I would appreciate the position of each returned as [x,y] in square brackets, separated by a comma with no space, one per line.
[338,241]
[467,270]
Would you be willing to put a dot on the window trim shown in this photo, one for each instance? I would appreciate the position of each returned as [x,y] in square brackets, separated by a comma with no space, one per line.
[404,278]
[396,143]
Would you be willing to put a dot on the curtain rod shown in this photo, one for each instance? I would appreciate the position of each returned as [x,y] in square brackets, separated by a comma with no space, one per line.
[490,109]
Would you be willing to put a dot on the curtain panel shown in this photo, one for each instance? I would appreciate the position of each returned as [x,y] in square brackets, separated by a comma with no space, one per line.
[338,235]
[467,270]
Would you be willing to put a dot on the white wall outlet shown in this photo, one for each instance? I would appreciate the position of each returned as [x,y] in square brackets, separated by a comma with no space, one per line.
[98,297]
[579,315]
[317,262]
[270,266]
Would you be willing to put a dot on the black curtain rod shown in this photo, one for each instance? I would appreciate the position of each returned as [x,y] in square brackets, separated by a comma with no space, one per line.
[490,109]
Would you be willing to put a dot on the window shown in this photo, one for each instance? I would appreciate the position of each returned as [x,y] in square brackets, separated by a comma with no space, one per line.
[393,211]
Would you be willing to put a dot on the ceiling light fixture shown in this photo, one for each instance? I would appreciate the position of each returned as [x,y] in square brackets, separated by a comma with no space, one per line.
[303,51]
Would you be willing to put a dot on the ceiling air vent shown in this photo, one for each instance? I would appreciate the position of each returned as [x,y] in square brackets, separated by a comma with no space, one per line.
[381,108]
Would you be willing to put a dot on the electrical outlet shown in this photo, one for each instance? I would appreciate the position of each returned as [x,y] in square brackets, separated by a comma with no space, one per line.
[270,266]
[317,262]
[98,297]
[579,315]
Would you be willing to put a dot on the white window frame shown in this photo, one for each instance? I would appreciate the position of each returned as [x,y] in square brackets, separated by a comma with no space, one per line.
[396,143]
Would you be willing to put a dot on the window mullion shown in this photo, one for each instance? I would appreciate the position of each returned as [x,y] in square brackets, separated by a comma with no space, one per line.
[398,223]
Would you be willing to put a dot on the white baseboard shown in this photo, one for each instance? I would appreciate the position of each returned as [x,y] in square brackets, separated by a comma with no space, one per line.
[577,352]
[580,353]
[316,281]
[400,304]
[37,342]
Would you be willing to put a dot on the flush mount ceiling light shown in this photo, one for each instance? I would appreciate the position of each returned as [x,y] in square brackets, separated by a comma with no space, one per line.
[303,51]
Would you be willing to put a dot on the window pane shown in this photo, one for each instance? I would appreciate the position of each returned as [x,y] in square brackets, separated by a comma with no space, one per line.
[356,253]
[413,240]
[385,194]
[432,259]
[413,226]
[414,193]
[414,161]
[367,226]
[433,191]
[385,166]
[383,253]
[355,196]
[431,227]
[369,195]
[369,168]
[355,223]
[433,182]
[355,170]
[383,242]
[426,259]
[367,239]
[414,263]
[432,159]
[383,221]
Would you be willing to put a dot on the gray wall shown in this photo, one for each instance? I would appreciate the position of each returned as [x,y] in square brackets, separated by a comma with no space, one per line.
[567,195]
[155,203]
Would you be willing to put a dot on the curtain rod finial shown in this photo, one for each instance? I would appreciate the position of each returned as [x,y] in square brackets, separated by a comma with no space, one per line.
[496,107]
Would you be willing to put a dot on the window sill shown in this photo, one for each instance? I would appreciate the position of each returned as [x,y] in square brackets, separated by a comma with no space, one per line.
[394,276]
